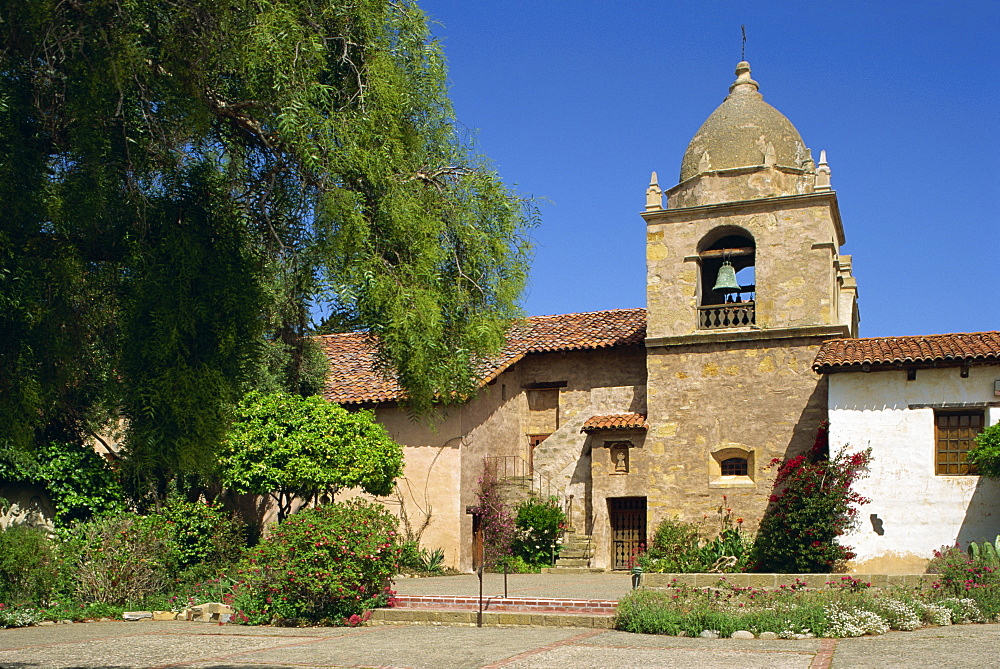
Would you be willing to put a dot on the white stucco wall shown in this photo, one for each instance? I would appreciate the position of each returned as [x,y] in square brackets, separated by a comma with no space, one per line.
[920,511]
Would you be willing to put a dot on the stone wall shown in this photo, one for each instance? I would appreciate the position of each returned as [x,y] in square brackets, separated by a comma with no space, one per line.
[797,261]
[759,397]
[597,383]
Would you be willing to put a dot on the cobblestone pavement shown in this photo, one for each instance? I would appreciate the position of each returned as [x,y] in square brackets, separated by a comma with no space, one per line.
[183,644]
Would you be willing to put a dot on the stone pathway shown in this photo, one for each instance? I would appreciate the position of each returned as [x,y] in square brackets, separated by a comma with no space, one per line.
[149,644]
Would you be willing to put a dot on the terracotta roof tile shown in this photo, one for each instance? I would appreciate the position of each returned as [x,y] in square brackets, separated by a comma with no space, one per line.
[621,421]
[354,378]
[839,355]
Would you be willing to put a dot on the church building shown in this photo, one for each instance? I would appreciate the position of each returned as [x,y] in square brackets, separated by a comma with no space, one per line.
[635,415]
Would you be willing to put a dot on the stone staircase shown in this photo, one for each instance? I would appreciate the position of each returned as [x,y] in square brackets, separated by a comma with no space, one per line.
[575,556]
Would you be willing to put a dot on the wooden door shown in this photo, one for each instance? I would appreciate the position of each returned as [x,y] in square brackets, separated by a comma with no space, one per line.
[628,529]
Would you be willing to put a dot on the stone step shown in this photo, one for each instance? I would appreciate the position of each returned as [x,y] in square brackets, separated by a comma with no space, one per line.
[572,570]
[497,603]
[490,618]
[572,562]
[571,552]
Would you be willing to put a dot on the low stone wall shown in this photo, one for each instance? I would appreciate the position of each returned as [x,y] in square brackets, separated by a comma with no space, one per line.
[817,581]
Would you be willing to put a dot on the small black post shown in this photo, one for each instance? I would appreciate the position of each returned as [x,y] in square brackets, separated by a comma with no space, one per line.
[479,616]
[636,576]
[505,579]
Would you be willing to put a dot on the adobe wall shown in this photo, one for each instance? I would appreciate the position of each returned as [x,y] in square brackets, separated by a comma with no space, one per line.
[442,460]
[913,511]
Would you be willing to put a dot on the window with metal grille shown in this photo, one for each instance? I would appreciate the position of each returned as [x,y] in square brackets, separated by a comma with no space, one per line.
[955,432]
[734,467]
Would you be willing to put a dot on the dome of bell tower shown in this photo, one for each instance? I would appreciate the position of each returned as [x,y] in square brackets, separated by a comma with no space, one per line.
[744,131]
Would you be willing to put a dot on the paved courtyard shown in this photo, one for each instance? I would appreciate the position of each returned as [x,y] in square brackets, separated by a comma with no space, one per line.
[182,644]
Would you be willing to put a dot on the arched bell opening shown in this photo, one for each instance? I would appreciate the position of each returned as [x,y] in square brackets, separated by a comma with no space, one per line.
[728,287]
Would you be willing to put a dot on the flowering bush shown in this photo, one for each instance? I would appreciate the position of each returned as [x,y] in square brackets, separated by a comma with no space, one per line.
[850,622]
[965,576]
[539,524]
[811,506]
[676,546]
[18,617]
[324,564]
[498,524]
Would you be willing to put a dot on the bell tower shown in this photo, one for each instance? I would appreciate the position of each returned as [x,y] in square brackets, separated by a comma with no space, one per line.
[749,197]
[744,282]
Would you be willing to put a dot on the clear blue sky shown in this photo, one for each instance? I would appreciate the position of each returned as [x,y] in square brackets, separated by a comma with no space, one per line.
[577,102]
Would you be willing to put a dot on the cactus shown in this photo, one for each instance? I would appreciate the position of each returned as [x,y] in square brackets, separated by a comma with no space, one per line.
[985,552]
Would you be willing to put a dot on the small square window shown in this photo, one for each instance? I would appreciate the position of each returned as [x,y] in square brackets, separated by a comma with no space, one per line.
[734,467]
[955,433]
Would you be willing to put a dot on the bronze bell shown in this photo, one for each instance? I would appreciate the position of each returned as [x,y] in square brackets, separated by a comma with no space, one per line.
[726,282]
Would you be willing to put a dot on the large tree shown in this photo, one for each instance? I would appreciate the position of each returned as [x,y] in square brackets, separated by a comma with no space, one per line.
[180,179]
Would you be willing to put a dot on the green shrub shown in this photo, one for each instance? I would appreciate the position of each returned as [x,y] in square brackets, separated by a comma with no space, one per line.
[539,524]
[79,482]
[29,566]
[674,548]
[118,560]
[515,564]
[693,611]
[414,559]
[409,556]
[648,612]
[201,534]
[329,564]
[984,457]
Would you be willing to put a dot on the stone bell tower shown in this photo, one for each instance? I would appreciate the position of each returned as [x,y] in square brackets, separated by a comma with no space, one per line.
[730,384]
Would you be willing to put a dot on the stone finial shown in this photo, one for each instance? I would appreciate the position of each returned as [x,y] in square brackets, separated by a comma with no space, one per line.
[743,83]
[654,196]
[705,164]
[822,173]
[808,164]
[770,155]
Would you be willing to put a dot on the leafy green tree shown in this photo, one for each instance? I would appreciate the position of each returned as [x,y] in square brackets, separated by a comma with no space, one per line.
[182,180]
[985,455]
[292,447]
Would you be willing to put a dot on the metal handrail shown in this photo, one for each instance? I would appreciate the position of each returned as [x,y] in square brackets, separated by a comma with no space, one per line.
[515,469]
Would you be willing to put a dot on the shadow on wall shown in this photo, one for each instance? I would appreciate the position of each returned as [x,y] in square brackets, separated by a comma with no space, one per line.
[582,474]
[982,517]
[804,436]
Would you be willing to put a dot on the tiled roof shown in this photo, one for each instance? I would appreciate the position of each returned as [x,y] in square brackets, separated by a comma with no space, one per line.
[621,421]
[354,378]
[841,355]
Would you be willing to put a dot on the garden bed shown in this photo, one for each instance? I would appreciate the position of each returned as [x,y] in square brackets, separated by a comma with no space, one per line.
[795,606]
